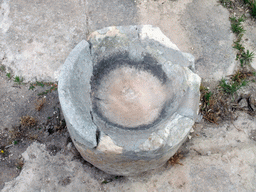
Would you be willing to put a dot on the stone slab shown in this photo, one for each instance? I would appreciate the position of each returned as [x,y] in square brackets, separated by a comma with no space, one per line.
[37,36]
[35,43]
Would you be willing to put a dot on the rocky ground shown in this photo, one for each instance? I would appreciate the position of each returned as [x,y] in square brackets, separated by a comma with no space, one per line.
[36,151]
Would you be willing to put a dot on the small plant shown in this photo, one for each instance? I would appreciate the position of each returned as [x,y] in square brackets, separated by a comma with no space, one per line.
[53,88]
[238,46]
[18,80]
[246,57]
[231,88]
[105,181]
[15,142]
[32,87]
[253,9]
[19,164]
[237,28]
[236,25]
[208,96]
[8,75]
[39,83]
[252,6]
[2,68]
[237,77]
[226,3]
[205,93]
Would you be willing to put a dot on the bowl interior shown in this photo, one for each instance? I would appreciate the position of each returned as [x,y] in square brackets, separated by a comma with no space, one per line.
[128,93]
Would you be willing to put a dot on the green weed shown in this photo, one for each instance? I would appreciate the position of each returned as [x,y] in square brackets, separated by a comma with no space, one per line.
[44,92]
[19,167]
[53,88]
[246,58]
[8,75]
[39,83]
[208,96]
[237,77]
[32,87]
[252,6]
[236,28]
[233,87]
[2,68]
[105,182]
[253,9]
[15,142]
[226,3]
[236,25]
[18,80]
[238,46]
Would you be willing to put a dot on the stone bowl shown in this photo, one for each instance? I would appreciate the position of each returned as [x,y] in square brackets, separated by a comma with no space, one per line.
[129,97]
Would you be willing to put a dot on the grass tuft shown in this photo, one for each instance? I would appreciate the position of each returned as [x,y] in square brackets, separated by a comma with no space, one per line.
[236,25]
[253,9]
[238,46]
[231,88]
[18,80]
[226,3]
[8,75]
[252,6]
[2,68]
[246,58]
[39,83]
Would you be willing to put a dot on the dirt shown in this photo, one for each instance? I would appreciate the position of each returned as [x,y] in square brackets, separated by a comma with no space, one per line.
[26,117]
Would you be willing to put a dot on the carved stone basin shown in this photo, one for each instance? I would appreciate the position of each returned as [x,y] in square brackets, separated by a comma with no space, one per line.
[129,97]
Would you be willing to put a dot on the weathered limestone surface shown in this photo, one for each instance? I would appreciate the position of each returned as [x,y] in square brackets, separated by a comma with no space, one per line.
[128,150]
[37,36]
[211,38]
